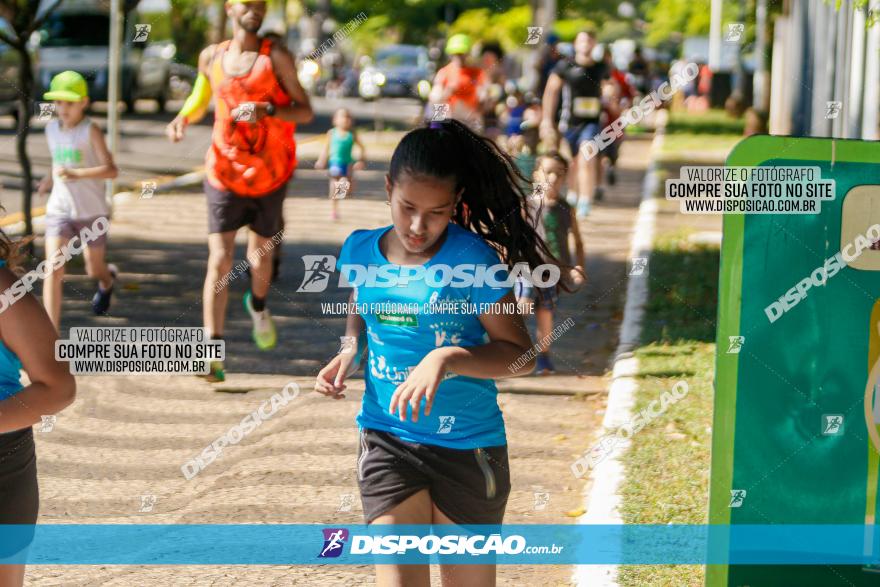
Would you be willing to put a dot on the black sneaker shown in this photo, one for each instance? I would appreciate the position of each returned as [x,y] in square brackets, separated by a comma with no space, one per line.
[598,194]
[101,299]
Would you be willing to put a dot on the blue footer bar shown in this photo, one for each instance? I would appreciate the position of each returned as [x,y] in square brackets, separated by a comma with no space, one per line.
[306,544]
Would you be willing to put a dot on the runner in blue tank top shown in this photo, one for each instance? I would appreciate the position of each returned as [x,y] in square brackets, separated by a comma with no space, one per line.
[433,446]
[27,340]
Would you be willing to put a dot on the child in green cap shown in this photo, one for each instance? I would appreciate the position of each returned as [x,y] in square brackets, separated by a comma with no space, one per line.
[80,163]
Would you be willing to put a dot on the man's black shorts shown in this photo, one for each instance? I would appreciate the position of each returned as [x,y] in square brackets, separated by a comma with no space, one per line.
[227,211]
[469,486]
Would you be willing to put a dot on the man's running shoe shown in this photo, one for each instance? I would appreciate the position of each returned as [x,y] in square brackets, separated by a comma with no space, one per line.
[583,208]
[216,373]
[544,365]
[101,299]
[264,328]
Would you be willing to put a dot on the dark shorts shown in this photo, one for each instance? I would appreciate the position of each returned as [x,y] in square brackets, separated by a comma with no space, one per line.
[19,496]
[469,486]
[67,228]
[227,211]
[580,134]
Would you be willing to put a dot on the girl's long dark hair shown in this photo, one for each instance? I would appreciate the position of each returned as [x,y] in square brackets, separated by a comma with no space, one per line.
[493,201]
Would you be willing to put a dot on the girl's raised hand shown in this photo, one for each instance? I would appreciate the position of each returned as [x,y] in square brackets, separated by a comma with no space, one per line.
[421,383]
[330,380]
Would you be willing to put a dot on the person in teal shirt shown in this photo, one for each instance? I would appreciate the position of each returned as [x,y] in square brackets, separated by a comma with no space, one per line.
[337,158]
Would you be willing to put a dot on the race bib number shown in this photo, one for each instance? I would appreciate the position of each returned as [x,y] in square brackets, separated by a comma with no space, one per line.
[586,107]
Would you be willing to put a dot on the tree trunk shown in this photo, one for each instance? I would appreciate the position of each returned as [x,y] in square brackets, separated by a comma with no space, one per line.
[26,84]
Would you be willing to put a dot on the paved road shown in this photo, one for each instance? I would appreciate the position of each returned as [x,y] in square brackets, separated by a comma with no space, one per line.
[144,152]
[127,436]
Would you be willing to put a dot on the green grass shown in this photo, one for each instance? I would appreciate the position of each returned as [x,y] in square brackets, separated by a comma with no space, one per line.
[667,466]
[711,122]
[688,147]
[700,138]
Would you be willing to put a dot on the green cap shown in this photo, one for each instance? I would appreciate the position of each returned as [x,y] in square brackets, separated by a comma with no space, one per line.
[68,86]
[458,44]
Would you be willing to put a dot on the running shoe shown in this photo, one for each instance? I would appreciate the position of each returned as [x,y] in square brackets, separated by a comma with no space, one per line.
[611,175]
[264,328]
[599,194]
[571,198]
[216,373]
[583,208]
[101,299]
[544,366]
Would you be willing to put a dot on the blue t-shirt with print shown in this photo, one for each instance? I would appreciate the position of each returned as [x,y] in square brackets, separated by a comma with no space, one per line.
[465,413]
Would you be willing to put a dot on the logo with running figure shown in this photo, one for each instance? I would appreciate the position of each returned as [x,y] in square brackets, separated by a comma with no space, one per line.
[141,33]
[735,32]
[736,343]
[446,423]
[737,497]
[440,113]
[319,268]
[46,111]
[48,423]
[534,35]
[334,540]
[638,266]
[148,188]
[341,189]
[832,424]
[147,503]
[246,112]
[832,109]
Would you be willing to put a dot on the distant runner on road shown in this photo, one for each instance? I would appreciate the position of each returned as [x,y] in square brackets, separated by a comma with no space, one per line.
[251,159]
[578,83]
[460,85]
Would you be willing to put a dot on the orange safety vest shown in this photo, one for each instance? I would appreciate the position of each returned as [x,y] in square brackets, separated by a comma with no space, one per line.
[251,159]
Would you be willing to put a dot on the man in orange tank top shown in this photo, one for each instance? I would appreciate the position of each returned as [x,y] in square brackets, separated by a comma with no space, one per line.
[258,102]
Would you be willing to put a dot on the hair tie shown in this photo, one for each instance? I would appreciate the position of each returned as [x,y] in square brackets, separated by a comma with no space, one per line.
[436,124]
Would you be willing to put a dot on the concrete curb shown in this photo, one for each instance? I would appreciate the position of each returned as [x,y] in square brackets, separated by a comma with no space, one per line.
[602,503]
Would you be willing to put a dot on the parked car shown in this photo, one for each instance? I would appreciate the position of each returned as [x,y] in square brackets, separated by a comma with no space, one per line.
[398,71]
[76,36]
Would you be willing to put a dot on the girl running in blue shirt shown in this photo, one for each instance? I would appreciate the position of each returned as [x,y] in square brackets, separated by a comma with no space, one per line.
[27,341]
[433,448]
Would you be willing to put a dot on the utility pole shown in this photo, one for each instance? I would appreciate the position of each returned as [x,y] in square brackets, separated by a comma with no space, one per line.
[113,74]
[715,37]
[760,95]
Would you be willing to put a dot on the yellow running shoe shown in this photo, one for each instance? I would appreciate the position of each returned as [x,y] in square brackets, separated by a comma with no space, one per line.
[263,333]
